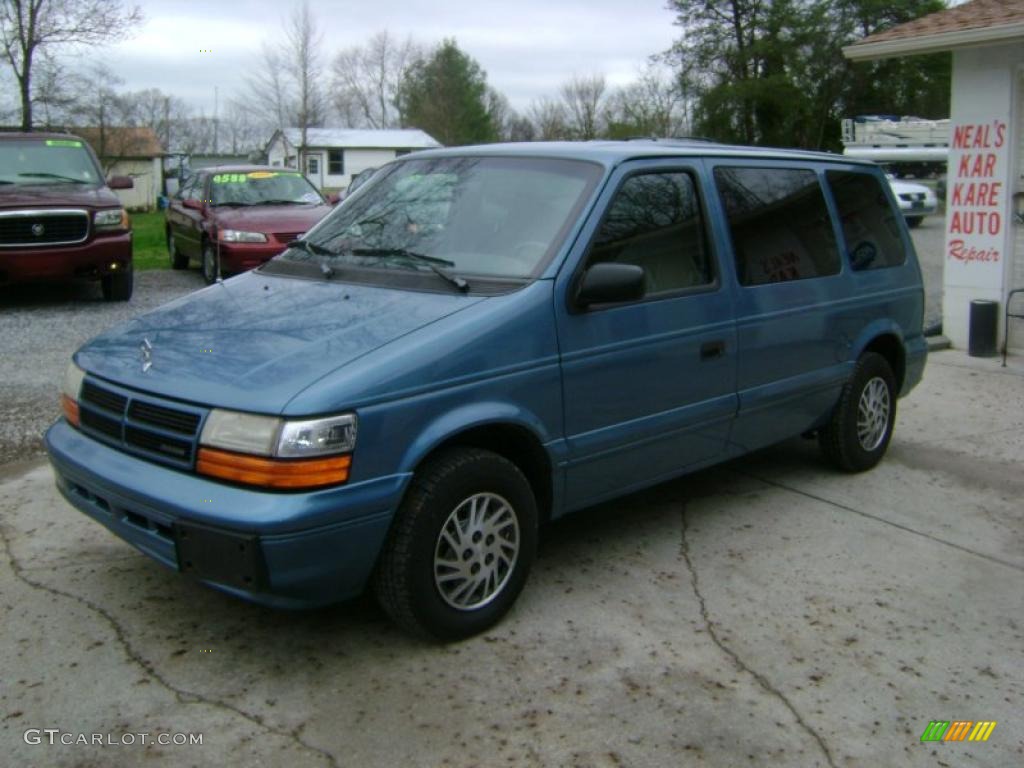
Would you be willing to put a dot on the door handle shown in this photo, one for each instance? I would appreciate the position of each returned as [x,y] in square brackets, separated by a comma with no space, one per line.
[710,350]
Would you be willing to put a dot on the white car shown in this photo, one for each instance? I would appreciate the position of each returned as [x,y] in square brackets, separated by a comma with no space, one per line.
[916,200]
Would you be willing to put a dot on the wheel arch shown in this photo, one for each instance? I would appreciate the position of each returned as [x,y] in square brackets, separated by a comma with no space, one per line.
[511,435]
[888,341]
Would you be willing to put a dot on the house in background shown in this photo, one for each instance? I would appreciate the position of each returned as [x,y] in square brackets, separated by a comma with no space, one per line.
[984,249]
[334,155]
[134,152]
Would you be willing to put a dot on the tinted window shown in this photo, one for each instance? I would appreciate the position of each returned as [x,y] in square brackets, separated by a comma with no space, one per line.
[870,227]
[655,222]
[780,225]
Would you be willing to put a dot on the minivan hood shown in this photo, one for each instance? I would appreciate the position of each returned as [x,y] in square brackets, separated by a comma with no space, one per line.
[271,218]
[55,195]
[253,342]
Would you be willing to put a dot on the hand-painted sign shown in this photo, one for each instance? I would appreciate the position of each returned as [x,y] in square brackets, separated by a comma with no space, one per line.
[976,200]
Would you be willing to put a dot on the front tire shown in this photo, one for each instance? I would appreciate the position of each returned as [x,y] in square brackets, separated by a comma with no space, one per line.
[859,431]
[914,221]
[461,546]
[210,263]
[118,286]
[178,260]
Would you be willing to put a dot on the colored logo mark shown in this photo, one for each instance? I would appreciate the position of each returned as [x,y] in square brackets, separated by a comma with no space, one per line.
[958,730]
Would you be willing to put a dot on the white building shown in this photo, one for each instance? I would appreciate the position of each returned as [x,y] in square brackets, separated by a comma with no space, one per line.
[334,155]
[133,152]
[984,245]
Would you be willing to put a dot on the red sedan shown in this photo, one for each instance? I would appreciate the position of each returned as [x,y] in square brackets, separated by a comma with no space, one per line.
[234,218]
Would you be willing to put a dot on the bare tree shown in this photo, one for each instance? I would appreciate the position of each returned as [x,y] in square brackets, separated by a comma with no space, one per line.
[30,27]
[285,87]
[549,119]
[365,84]
[583,98]
[654,105]
[304,66]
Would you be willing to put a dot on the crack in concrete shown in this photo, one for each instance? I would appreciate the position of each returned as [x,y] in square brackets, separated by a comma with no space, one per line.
[709,625]
[181,695]
[876,518]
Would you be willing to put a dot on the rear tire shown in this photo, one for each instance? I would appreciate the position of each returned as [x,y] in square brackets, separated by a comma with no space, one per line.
[858,434]
[178,261]
[461,546]
[914,221]
[118,286]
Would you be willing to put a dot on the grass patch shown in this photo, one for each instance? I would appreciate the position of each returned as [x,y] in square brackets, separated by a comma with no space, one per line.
[149,244]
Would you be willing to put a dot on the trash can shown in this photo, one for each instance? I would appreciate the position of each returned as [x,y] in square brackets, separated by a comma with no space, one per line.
[984,327]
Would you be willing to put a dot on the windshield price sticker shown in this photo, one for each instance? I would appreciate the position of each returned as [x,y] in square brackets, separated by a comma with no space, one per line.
[241,178]
[62,143]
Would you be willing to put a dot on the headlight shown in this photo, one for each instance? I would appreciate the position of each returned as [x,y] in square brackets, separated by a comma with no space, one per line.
[238,236]
[318,437]
[70,387]
[277,453]
[114,218]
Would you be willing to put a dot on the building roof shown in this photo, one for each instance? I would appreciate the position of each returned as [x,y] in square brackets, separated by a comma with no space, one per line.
[978,22]
[350,138]
[117,142]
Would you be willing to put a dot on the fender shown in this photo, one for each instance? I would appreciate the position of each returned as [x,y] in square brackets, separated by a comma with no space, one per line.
[471,416]
[870,332]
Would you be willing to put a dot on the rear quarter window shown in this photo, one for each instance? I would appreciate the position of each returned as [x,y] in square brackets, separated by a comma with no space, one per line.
[871,229]
[780,226]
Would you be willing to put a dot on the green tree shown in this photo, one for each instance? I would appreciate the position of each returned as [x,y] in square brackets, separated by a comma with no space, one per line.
[446,95]
[772,71]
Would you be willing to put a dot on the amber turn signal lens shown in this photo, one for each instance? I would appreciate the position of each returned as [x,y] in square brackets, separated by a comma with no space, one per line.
[70,408]
[291,474]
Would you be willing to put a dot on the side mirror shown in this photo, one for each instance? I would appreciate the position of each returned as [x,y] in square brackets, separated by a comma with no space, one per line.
[121,182]
[333,199]
[609,282]
[193,204]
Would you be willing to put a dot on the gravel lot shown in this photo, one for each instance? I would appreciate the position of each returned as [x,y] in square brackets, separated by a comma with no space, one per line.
[41,326]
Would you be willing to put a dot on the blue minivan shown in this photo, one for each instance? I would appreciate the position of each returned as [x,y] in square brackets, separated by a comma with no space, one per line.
[483,339]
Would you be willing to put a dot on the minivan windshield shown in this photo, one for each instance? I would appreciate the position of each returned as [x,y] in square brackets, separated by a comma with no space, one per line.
[489,216]
[47,161]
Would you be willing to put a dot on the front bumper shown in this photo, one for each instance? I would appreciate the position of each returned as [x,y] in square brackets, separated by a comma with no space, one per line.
[290,550]
[239,257]
[89,260]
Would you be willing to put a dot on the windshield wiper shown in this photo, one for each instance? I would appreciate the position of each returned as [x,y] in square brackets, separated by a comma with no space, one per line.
[280,202]
[40,175]
[311,248]
[433,263]
[232,204]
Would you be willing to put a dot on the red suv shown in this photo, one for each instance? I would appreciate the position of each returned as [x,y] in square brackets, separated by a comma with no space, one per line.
[234,218]
[58,218]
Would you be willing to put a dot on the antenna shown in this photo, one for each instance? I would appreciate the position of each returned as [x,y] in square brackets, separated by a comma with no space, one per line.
[215,121]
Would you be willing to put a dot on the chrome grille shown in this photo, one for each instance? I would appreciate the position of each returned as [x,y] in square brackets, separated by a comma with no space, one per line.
[146,425]
[43,227]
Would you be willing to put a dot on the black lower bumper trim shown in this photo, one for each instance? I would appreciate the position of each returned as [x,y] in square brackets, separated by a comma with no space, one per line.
[213,554]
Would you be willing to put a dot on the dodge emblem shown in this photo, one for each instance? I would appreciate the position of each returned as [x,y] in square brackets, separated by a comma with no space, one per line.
[146,353]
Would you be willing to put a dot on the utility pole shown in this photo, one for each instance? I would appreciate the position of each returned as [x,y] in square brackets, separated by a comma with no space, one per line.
[215,121]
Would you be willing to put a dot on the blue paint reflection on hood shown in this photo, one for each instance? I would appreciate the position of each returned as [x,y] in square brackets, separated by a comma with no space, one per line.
[255,341]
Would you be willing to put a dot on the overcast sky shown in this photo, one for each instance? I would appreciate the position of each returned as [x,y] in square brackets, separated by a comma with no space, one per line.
[527,47]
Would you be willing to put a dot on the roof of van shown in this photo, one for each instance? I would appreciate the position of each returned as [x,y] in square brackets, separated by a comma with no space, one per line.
[613,152]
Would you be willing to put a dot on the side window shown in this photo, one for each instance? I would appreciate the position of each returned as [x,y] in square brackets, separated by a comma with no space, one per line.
[780,225]
[185,190]
[335,162]
[655,222]
[870,226]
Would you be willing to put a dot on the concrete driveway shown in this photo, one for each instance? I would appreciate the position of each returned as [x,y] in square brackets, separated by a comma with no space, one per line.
[769,612]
